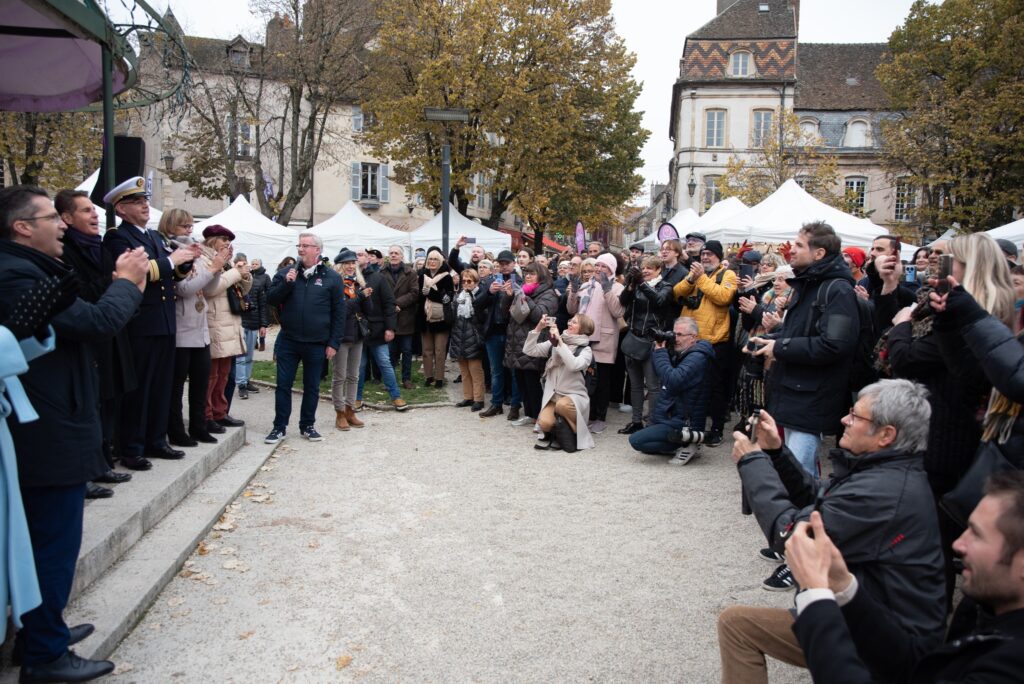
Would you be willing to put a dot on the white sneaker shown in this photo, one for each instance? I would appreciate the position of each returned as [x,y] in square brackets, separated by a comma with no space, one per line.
[540,435]
[625,408]
[684,455]
[597,426]
[536,428]
[519,422]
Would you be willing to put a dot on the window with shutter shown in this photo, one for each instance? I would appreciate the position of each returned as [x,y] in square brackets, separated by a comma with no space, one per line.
[385,184]
[356,181]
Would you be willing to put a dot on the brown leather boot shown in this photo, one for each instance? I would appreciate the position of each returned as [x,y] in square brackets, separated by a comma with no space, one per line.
[340,420]
[350,415]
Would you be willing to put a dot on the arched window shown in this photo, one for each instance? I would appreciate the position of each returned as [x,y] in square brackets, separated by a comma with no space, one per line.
[809,132]
[857,134]
[741,64]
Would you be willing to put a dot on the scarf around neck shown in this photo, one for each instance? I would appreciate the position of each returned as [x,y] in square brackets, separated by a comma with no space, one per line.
[90,244]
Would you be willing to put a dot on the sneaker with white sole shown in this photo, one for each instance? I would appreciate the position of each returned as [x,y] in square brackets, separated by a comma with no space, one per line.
[275,436]
[597,426]
[312,435]
[771,556]
[684,455]
[625,408]
[520,422]
[781,580]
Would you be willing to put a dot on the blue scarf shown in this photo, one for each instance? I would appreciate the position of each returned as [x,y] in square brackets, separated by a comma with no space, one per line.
[90,244]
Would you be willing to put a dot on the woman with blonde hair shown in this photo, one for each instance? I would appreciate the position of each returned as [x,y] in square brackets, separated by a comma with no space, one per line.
[345,378]
[980,266]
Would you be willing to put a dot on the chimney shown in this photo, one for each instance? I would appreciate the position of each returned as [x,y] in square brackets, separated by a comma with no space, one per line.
[795,6]
[725,4]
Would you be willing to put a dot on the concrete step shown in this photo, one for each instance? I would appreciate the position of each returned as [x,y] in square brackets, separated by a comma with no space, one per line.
[116,600]
[113,525]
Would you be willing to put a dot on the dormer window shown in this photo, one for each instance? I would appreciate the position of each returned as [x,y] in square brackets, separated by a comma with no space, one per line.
[763,7]
[238,53]
[857,134]
[740,65]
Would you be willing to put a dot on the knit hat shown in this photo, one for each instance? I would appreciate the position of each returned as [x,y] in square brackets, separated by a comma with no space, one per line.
[609,261]
[856,254]
[715,247]
[752,257]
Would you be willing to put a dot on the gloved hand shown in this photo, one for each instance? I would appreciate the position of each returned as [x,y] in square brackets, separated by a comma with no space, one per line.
[33,308]
[425,290]
[961,310]
[606,283]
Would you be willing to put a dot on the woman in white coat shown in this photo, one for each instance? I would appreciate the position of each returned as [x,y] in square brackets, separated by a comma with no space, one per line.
[565,403]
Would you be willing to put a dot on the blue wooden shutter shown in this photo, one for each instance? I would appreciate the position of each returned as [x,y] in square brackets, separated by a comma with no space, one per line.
[356,181]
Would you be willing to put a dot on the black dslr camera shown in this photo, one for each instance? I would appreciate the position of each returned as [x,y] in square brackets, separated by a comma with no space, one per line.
[666,336]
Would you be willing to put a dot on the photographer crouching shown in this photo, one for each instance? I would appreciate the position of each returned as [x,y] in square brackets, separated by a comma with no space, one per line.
[677,420]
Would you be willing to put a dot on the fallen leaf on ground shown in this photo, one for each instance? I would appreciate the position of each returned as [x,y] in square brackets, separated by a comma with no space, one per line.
[228,551]
[314,544]
[155,625]
[181,613]
[230,564]
[342,662]
[122,668]
[246,635]
[264,602]
[187,572]
[175,601]
[218,601]
[201,549]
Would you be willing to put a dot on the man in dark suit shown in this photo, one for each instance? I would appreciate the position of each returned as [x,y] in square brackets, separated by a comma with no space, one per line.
[144,410]
[62,451]
[83,253]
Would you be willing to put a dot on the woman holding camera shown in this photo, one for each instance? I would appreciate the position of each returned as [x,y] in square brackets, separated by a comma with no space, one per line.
[647,300]
[565,390]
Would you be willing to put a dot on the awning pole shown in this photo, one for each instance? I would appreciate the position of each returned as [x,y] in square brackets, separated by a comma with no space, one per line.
[110,169]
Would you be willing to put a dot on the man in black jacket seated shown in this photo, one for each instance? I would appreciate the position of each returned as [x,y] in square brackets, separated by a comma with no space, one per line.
[877,506]
[849,636]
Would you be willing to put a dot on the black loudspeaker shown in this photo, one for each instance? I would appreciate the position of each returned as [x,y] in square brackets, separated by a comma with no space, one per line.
[129,161]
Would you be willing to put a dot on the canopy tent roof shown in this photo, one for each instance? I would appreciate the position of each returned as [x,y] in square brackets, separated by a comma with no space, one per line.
[351,228]
[1014,232]
[255,235]
[779,216]
[61,40]
[719,211]
[682,221]
[89,183]
[429,234]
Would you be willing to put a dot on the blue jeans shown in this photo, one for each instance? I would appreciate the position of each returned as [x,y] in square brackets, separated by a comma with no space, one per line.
[402,346]
[804,446]
[654,439]
[289,354]
[495,356]
[387,373]
[243,362]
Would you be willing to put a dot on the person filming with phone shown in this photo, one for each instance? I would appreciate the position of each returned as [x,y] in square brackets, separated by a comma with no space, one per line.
[877,507]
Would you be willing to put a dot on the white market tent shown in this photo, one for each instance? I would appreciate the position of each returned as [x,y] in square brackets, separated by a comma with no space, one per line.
[89,183]
[779,216]
[255,235]
[719,211]
[351,228]
[429,234]
[682,222]
[1014,232]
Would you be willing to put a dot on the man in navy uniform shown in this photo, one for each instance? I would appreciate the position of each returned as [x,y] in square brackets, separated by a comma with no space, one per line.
[145,410]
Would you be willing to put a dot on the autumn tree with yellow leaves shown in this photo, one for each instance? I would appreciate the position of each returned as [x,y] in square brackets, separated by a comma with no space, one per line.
[52,150]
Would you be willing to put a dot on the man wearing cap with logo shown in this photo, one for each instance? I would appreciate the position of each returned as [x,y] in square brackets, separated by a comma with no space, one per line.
[492,297]
[144,410]
[706,294]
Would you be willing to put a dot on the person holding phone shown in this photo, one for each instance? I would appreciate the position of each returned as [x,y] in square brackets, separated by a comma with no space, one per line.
[528,305]
[495,299]
[467,341]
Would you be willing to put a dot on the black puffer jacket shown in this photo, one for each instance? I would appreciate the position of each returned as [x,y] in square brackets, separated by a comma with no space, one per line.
[467,336]
[879,511]
[647,308]
[814,351]
[543,302]
[442,293]
[258,314]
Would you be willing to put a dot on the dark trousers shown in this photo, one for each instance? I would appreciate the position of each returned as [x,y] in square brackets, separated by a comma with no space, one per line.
[599,398]
[144,410]
[289,355]
[229,387]
[402,346]
[721,389]
[192,363]
[530,388]
[54,517]
[110,424]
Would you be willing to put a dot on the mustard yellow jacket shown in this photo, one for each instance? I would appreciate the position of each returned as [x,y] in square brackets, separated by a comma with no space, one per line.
[712,315]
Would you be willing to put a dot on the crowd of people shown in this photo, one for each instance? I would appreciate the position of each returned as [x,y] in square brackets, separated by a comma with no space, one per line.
[915,368]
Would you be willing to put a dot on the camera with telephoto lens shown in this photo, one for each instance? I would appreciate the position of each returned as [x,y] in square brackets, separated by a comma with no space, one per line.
[687,436]
[666,336]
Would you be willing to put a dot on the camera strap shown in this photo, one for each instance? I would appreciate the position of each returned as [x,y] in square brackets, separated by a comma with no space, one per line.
[718,281]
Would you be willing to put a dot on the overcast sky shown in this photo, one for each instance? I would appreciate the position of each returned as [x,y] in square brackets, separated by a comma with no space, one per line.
[653,29]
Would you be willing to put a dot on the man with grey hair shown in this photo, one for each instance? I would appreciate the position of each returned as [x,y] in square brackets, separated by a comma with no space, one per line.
[309,297]
[877,508]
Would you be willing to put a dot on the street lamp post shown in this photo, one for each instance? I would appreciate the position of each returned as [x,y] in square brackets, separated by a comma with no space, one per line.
[449,116]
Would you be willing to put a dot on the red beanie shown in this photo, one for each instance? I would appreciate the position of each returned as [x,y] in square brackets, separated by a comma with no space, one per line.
[857,255]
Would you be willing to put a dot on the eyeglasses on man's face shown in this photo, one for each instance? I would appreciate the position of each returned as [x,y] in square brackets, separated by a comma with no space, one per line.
[302,246]
[53,218]
[854,417]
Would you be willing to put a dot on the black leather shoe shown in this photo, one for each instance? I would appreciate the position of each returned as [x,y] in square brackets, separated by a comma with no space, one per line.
[136,463]
[78,633]
[631,428]
[181,440]
[493,411]
[513,413]
[204,437]
[165,452]
[113,477]
[228,421]
[477,406]
[243,392]
[70,667]
[94,491]
[464,403]
[253,389]
[214,428]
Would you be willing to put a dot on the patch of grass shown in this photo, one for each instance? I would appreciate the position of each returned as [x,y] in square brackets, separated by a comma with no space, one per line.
[373,392]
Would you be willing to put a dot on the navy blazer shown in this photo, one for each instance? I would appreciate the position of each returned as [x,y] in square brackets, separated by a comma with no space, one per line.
[156,314]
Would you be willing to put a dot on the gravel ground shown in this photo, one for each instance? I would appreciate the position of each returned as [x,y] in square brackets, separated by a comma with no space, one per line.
[436,546]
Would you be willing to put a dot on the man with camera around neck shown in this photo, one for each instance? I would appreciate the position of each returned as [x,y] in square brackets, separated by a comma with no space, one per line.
[877,506]
[679,414]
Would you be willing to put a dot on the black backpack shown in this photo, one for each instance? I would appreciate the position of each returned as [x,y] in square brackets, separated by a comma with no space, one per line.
[862,370]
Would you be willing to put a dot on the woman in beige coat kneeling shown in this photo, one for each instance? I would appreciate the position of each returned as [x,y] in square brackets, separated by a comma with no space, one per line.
[565,404]
[226,339]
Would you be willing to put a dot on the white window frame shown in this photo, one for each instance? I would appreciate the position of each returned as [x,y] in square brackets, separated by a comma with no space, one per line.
[810,137]
[357,119]
[758,129]
[719,129]
[848,135]
[906,200]
[710,192]
[744,59]
[370,183]
[859,185]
